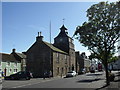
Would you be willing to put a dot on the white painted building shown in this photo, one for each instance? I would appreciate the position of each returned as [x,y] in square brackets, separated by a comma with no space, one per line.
[116,64]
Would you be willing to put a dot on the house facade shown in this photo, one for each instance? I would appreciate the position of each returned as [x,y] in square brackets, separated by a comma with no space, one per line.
[21,57]
[79,62]
[58,58]
[9,65]
[82,62]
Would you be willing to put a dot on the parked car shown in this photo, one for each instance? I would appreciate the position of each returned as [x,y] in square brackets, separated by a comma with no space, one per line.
[19,75]
[71,74]
[92,69]
[82,71]
[47,74]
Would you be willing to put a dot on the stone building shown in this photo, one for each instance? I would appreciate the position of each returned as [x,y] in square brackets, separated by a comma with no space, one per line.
[79,62]
[58,58]
[65,43]
[82,62]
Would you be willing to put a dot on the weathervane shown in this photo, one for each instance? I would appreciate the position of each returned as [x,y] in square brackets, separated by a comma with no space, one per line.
[63,20]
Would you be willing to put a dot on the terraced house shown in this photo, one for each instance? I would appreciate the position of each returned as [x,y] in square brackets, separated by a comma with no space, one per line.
[12,63]
[9,64]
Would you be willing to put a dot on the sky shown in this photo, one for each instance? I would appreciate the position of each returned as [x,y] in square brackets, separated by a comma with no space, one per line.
[21,21]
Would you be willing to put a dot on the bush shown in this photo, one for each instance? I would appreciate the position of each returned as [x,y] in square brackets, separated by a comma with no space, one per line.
[111,76]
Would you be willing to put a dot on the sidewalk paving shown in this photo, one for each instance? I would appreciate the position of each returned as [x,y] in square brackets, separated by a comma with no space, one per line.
[114,85]
[116,82]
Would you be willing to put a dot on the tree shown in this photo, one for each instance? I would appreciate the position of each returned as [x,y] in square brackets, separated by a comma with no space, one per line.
[101,32]
[113,59]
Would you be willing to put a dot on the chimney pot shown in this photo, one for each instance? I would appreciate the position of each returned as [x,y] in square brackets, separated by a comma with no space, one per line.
[14,50]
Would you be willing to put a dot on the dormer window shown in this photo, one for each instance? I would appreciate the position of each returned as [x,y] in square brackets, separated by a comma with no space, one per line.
[8,63]
[16,64]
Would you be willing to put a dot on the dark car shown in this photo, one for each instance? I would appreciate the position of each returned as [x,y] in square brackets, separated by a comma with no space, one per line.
[47,74]
[19,75]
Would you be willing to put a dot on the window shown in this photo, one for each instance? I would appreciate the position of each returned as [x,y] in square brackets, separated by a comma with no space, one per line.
[10,70]
[15,70]
[62,70]
[16,64]
[57,70]
[7,63]
[65,59]
[57,59]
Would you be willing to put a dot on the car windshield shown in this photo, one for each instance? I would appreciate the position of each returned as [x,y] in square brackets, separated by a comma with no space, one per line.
[21,72]
[18,72]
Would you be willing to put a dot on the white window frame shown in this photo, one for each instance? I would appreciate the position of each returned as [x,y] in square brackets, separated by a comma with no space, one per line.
[8,63]
[10,70]
[15,70]
[15,64]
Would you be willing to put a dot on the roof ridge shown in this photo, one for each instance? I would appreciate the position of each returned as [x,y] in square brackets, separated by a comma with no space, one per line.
[54,48]
[4,53]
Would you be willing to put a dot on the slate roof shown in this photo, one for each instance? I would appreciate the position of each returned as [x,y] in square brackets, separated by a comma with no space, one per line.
[54,48]
[21,55]
[7,57]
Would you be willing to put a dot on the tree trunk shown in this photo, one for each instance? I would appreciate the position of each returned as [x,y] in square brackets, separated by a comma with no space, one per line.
[107,74]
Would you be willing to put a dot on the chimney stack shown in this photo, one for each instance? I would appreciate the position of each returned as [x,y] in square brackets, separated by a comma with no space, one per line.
[39,37]
[13,50]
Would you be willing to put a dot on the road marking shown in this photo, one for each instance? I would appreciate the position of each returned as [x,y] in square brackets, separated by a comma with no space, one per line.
[30,84]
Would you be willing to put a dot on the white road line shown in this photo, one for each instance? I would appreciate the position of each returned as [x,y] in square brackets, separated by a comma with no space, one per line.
[30,84]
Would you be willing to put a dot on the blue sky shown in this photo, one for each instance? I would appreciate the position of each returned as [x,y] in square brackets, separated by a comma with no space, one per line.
[22,20]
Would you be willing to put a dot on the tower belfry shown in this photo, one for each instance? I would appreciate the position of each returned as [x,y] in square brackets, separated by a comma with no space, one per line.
[61,41]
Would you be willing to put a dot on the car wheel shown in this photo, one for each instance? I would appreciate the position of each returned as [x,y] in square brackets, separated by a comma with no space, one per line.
[27,78]
[12,78]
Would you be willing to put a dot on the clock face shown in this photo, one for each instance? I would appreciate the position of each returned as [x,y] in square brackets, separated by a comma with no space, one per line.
[61,39]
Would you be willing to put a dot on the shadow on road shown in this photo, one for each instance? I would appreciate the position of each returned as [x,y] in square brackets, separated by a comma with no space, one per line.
[117,80]
[89,80]
[95,74]
[15,80]
[102,87]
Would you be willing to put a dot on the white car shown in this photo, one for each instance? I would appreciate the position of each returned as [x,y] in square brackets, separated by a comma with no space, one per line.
[71,74]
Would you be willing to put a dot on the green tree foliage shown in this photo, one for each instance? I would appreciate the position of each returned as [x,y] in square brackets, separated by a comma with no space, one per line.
[101,31]
[113,59]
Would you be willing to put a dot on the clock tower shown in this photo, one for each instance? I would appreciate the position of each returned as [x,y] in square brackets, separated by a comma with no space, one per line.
[62,40]
[65,43]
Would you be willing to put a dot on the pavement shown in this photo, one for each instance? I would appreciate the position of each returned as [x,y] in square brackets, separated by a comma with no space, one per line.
[114,85]
[116,82]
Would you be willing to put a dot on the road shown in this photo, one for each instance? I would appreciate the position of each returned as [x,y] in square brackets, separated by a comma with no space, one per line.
[89,80]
